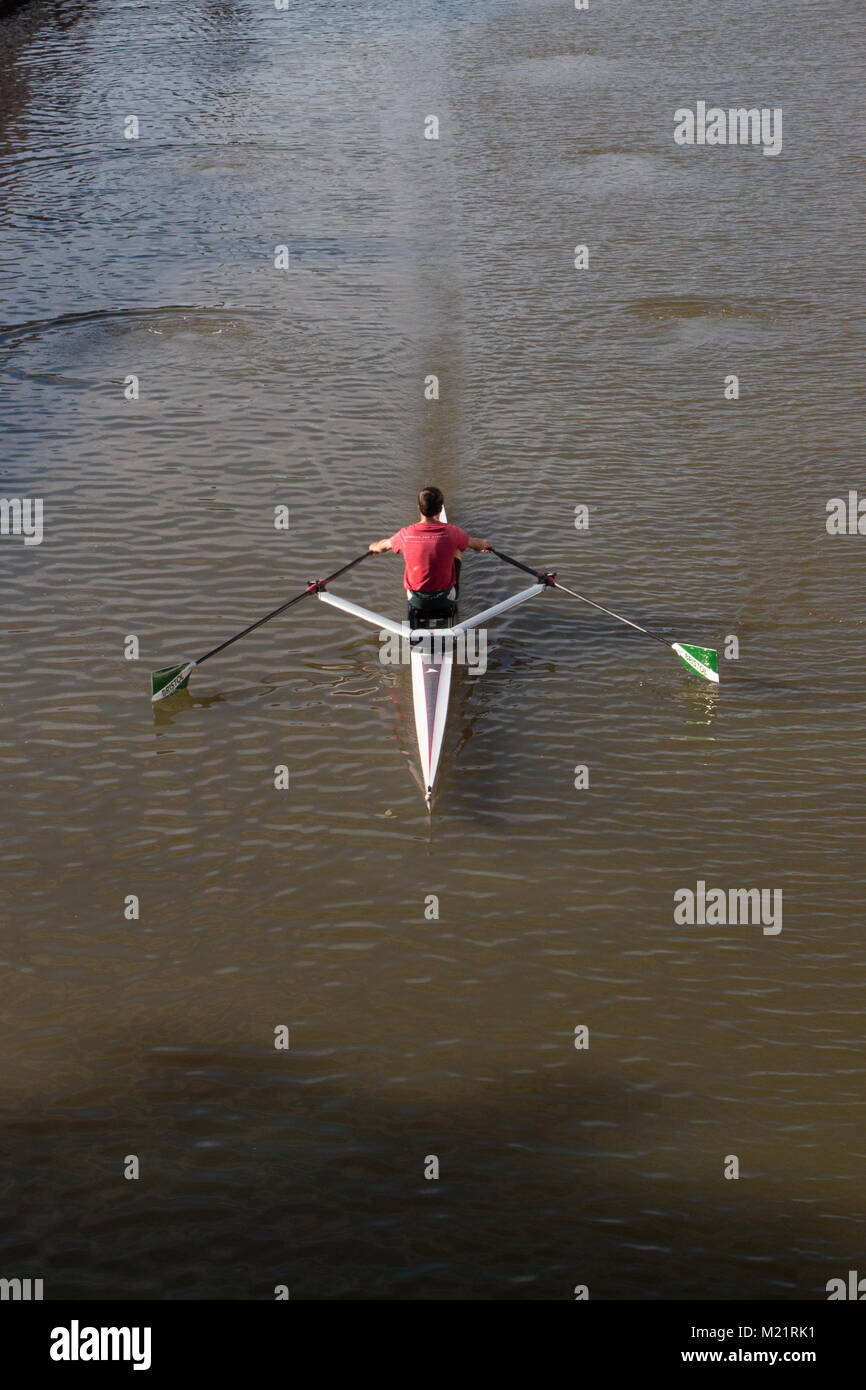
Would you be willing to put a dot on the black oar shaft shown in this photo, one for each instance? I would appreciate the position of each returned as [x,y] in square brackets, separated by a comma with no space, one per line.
[518,564]
[600,606]
[540,574]
[310,589]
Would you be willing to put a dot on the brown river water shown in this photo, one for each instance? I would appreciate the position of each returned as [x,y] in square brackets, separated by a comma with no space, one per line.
[431,970]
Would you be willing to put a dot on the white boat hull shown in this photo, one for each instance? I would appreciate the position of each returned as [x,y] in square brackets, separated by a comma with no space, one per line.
[432,667]
[431,689]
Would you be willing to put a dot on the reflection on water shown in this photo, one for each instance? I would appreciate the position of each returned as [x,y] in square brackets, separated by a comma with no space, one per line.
[417,1030]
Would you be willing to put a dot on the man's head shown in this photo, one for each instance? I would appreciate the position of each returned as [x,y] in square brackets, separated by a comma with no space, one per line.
[430,502]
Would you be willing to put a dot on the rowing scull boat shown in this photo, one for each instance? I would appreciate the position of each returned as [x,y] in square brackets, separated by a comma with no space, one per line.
[432,652]
[431,682]
[432,662]
[431,658]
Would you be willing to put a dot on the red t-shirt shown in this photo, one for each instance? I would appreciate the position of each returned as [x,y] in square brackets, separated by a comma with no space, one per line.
[429,548]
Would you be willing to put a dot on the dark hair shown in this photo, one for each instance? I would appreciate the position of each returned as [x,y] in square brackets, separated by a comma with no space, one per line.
[430,501]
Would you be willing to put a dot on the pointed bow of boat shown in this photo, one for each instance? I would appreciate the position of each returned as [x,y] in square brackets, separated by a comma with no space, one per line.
[431,689]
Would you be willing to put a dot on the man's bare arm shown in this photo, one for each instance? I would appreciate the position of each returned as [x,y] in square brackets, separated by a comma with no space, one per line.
[475,543]
[378,547]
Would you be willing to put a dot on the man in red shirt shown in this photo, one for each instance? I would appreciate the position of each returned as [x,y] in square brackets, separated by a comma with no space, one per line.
[429,549]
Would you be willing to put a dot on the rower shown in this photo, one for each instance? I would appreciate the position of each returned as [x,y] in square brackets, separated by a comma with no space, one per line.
[430,550]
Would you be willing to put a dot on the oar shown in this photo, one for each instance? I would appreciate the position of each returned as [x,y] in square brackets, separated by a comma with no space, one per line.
[703,660]
[171,678]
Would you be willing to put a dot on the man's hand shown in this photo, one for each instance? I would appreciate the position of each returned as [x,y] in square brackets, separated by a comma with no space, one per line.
[377,547]
[476,543]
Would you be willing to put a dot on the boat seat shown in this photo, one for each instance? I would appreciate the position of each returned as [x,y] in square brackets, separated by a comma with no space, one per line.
[439,612]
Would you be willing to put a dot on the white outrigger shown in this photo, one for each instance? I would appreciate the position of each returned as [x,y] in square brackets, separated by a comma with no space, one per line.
[432,652]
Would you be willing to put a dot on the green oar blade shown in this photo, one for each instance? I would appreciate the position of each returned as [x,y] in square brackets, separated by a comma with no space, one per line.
[169,679]
[703,660]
